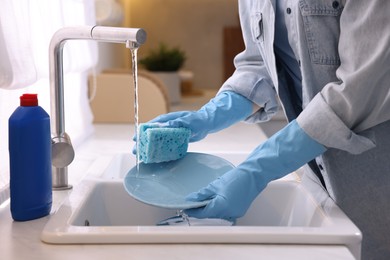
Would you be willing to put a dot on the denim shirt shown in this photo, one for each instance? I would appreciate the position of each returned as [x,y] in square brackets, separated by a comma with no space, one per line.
[343,50]
[342,53]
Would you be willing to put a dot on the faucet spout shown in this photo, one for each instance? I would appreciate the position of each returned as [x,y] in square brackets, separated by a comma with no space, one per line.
[62,150]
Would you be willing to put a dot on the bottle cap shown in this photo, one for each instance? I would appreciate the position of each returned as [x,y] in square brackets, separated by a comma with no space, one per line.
[29,100]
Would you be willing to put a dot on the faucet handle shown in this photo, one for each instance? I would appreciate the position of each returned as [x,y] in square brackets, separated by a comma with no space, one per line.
[62,151]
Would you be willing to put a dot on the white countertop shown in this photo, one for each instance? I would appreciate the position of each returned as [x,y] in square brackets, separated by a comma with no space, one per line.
[21,240]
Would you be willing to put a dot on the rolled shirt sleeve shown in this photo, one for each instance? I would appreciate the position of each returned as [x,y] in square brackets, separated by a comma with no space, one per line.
[251,78]
[338,116]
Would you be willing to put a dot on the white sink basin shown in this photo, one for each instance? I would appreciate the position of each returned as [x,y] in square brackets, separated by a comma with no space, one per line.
[100,211]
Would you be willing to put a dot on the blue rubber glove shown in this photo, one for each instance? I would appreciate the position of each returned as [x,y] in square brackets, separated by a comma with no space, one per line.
[220,112]
[232,194]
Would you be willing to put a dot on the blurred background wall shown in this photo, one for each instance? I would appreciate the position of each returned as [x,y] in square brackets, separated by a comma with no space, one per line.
[196,26]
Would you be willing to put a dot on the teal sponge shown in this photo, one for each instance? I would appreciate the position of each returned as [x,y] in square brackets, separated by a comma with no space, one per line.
[161,144]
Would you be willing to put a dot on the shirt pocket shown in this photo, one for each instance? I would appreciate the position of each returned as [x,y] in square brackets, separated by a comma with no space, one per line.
[321,21]
[257,27]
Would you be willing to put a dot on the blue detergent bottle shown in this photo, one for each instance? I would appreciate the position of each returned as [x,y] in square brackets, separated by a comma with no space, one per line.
[30,160]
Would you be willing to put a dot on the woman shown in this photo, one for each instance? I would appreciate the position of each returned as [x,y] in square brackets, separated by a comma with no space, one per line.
[328,61]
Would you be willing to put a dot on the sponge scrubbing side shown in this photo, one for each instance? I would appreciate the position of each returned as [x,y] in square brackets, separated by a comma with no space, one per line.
[160,144]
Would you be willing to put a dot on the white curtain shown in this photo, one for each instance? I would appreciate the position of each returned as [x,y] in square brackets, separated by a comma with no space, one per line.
[17,67]
[26,27]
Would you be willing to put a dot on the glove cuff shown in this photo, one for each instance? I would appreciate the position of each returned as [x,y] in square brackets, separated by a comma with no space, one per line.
[283,153]
[226,109]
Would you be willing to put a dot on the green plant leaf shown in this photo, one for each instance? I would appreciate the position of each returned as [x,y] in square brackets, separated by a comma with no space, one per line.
[164,58]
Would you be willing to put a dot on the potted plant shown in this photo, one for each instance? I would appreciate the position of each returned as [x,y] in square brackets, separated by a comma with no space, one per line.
[165,62]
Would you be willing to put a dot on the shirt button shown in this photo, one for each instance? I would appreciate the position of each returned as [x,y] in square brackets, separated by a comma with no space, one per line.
[335,4]
[288,10]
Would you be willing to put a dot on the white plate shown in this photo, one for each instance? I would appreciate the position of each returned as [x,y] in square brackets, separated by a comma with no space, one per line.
[167,184]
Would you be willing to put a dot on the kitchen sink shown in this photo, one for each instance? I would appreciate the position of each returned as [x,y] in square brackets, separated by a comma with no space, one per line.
[99,211]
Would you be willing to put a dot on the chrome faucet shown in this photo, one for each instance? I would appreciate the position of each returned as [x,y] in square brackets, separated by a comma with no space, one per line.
[62,150]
